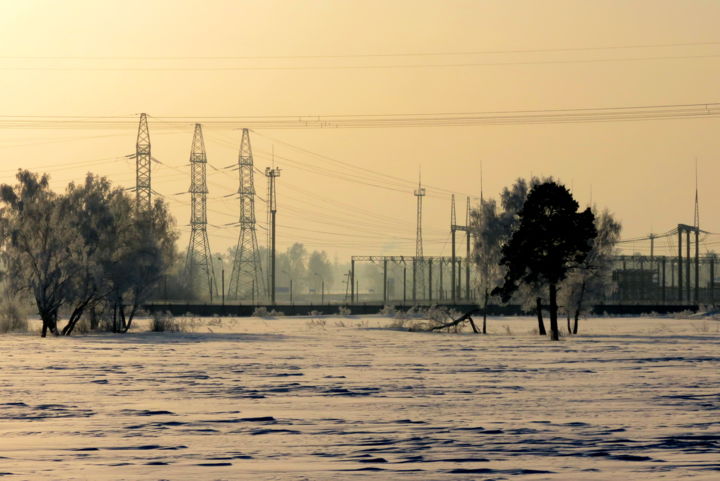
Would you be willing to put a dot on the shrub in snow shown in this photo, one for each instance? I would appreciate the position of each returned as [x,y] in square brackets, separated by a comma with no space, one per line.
[164,322]
[263,312]
[344,311]
[13,316]
[388,311]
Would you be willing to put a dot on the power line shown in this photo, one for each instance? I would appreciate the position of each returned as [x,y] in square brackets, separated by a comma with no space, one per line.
[357,67]
[359,55]
[448,119]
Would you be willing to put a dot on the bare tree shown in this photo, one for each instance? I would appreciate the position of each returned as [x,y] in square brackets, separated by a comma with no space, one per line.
[489,233]
[82,247]
[38,248]
[592,279]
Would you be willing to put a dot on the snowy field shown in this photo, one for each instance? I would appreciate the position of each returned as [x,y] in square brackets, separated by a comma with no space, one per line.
[349,398]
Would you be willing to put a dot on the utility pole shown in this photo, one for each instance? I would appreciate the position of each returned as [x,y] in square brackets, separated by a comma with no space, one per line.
[404,284]
[143,161]
[272,174]
[352,281]
[696,221]
[247,267]
[419,276]
[222,277]
[467,250]
[680,265]
[453,222]
[199,253]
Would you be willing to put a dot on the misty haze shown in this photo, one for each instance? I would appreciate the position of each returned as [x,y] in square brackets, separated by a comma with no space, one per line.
[318,240]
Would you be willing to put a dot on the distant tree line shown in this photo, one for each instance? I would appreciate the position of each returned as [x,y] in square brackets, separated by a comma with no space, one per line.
[84,249]
[534,248]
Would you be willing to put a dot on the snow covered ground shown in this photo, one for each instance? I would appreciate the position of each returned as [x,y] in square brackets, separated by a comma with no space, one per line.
[348,398]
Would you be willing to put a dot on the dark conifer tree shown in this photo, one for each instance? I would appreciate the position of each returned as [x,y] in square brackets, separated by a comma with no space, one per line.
[552,238]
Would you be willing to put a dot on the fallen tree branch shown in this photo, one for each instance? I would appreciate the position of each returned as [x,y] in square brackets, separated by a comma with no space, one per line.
[465,317]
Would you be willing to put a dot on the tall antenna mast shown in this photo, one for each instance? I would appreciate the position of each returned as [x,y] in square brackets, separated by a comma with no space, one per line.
[198,264]
[246,275]
[142,166]
[419,193]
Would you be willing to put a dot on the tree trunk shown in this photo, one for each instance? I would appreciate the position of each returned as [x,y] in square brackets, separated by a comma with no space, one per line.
[130,318]
[93,318]
[554,333]
[577,317]
[465,317]
[71,322]
[579,307]
[567,311]
[123,325]
[75,317]
[48,315]
[484,330]
[49,320]
[541,324]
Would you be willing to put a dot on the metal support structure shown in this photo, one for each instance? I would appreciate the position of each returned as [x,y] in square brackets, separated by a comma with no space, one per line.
[143,161]
[680,268]
[247,265]
[385,281]
[414,275]
[456,275]
[430,290]
[441,293]
[712,280]
[687,264]
[697,266]
[428,260]
[352,281]
[453,295]
[467,250]
[404,285]
[272,174]
[663,279]
[198,263]
[419,193]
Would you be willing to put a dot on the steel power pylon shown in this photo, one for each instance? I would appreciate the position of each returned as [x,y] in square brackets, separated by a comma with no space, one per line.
[198,264]
[246,275]
[142,166]
[419,271]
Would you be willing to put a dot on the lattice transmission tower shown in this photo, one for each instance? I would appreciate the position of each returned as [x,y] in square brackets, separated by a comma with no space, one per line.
[246,278]
[420,274]
[198,264]
[142,166]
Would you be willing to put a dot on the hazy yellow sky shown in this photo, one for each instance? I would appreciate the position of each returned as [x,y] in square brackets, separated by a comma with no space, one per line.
[95,58]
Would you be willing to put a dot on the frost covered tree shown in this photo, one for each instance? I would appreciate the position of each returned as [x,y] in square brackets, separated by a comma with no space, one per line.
[82,248]
[145,248]
[37,248]
[592,279]
[552,238]
[489,233]
[491,228]
[318,263]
